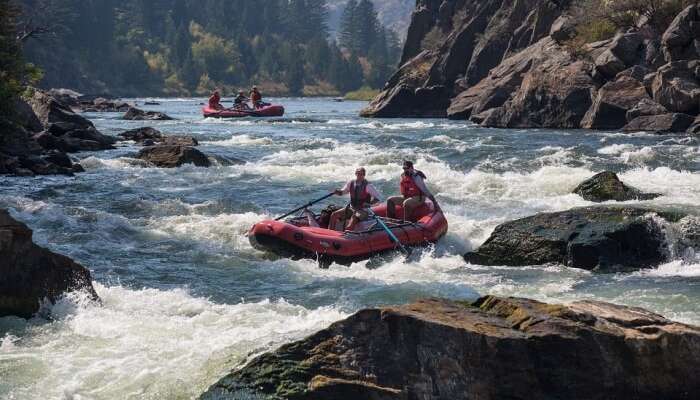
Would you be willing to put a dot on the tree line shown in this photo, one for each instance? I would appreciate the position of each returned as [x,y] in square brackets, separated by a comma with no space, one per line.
[185,47]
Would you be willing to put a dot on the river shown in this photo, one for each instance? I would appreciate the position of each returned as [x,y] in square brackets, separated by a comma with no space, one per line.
[185,296]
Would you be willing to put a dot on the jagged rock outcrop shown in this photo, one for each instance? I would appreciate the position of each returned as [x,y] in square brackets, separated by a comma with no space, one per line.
[171,156]
[542,86]
[493,348]
[593,238]
[135,114]
[606,186]
[510,64]
[30,274]
[456,44]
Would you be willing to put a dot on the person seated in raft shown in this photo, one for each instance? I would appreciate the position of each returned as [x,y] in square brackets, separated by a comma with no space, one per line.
[323,219]
[214,101]
[362,195]
[256,98]
[413,193]
[240,102]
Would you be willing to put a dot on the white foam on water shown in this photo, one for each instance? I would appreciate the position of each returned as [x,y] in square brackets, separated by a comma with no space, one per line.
[677,187]
[615,149]
[638,157]
[145,344]
[339,121]
[222,230]
[242,140]
[396,126]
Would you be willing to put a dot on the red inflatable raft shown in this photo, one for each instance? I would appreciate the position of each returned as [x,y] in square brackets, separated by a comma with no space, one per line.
[294,238]
[273,110]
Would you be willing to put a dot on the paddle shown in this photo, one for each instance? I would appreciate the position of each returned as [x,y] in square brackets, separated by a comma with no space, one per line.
[305,205]
[388,231]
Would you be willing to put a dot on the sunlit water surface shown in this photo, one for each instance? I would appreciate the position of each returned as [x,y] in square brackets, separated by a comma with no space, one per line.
[185,296]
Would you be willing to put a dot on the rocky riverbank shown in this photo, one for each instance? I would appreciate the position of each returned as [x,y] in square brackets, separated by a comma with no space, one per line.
[512,65]
[493,348]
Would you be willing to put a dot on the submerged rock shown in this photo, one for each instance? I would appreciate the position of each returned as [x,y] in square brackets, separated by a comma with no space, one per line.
[493,348]
[606,186]
[171,156]
[135,114]
[594,238]
[29,274]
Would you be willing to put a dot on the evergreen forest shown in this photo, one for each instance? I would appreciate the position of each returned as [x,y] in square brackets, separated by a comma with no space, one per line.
[190,47]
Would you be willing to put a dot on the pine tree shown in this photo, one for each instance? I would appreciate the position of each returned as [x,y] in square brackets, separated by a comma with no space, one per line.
[347,33]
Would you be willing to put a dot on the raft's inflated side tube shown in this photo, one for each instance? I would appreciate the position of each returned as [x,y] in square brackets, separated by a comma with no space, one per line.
[293,241]
[273,110]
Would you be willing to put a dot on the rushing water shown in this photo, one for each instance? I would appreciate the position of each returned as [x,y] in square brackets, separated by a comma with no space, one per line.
[185,296]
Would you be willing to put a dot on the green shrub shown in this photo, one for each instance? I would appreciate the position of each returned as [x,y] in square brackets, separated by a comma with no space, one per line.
[364,93]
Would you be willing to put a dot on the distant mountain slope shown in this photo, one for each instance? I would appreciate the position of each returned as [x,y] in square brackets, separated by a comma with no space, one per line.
[394,14]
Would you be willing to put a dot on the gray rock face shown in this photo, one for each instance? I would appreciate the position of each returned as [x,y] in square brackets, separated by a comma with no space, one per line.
[592,238]
[542,86]
[663,123]
[493,348]
[171,156]
[606,186]
[134,114]
[29,273]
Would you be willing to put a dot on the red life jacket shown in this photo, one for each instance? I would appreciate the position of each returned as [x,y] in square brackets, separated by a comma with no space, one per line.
[214,102]
[359,197]
[409,187]
[255,97]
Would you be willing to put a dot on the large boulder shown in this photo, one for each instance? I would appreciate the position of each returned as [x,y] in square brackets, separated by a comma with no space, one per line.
[50,111]
[171,156]
[68,97]
[645,107]
[135,114]
[30,274]
[681,39]
[625,50]
[675,86]
[492,348]
[612,102]
[606,186]
[593,238]
[663,123]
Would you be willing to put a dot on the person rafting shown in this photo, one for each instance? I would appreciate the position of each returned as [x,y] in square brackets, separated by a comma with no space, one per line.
[413,193]
[256,97]
[240,102]
[362,195]
[215,101]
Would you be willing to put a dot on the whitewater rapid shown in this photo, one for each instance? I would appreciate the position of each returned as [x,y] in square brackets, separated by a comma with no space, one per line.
[185,296]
